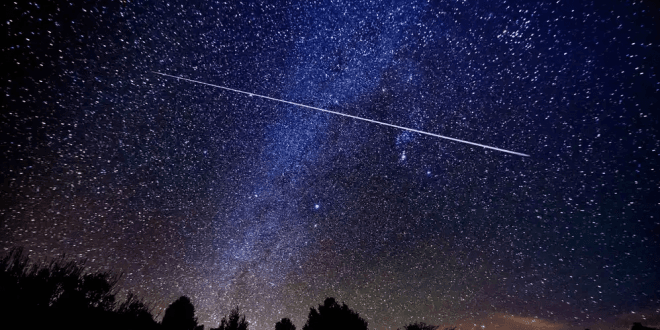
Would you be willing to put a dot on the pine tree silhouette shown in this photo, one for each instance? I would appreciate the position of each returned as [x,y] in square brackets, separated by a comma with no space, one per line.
[235,321]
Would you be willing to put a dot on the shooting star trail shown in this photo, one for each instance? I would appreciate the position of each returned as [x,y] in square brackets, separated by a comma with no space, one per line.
[345,115]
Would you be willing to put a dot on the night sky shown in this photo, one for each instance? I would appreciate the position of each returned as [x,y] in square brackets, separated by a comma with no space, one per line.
[233,199]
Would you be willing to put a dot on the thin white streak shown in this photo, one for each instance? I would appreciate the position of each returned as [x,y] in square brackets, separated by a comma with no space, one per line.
[345,115]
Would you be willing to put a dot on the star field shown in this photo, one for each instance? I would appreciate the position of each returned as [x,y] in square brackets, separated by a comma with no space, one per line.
[236,200]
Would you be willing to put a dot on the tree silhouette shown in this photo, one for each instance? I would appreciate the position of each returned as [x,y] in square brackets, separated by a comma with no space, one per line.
[235,321]
[332,316]
[285,324]
[61,294]
[419,326]
[135,313]
[180,315]
[60,284]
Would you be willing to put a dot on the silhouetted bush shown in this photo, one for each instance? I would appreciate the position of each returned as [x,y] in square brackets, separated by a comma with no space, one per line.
[332,316]
[639,326]
[419,326]
[235,321]
[285,324]
[136,314]
[60,294]
[180,315]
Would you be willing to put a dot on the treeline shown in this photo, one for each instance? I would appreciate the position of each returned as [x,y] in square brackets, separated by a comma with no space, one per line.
[61,294]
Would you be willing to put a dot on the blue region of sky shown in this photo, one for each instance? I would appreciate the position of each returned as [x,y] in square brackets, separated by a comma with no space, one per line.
[340,56]
[233,199]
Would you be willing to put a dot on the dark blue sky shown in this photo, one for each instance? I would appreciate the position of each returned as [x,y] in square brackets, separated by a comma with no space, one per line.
[239,200]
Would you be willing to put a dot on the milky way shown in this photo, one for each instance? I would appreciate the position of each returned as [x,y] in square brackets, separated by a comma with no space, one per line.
[233,199]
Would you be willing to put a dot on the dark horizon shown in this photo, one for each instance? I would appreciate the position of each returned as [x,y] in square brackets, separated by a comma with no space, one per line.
[64,293]
[234,200]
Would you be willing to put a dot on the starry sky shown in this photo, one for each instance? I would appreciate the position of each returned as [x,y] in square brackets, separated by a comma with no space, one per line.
[233,199]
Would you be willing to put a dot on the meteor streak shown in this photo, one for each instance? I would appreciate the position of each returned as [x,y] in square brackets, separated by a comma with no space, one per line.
[346,115]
